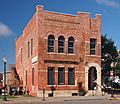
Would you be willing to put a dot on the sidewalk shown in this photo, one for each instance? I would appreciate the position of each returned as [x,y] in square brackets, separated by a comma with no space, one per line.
[21,99]
[34,100]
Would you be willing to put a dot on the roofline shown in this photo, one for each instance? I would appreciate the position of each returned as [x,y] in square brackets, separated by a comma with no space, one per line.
[60,13]
[54,13]
[25,27]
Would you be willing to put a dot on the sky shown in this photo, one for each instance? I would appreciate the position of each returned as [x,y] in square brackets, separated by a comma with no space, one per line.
[15,14]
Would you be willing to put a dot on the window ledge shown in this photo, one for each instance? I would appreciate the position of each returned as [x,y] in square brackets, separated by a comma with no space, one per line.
[94,55]
[71,85]
[70,54]
[62,53]
[51,53]
[61,85]
[51,85]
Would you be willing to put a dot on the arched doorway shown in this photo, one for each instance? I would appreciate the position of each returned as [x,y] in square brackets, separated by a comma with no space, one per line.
[92,78]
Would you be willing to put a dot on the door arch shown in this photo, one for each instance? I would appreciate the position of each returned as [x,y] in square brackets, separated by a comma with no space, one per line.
[98,80]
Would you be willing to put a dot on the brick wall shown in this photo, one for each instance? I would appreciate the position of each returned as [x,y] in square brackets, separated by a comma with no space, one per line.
[81,27]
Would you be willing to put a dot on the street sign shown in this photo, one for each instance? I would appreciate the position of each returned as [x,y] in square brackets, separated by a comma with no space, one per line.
[111,73]
[34,59]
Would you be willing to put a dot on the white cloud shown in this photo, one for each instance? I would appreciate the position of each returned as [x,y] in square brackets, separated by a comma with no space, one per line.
[5,30]
[111,3]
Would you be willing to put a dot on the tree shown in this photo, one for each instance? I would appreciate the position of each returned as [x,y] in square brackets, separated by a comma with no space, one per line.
[108,47]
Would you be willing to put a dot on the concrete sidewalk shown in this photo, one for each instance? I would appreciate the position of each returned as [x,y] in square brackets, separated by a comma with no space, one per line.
[55,99]
[34,100]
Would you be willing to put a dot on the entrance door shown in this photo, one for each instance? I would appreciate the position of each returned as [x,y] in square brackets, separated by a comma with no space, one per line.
[92,77]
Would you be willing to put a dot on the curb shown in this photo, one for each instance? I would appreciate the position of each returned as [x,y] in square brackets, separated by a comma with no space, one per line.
[113,98]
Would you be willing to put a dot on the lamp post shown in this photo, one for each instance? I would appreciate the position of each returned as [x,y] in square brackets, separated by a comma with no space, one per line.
[113,64]
[112,78]
[4,62]
[43,94]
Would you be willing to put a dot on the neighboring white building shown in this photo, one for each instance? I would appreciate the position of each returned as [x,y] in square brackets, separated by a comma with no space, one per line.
[8,77]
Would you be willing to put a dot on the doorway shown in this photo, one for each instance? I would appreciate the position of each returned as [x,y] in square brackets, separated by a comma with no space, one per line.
[92,77]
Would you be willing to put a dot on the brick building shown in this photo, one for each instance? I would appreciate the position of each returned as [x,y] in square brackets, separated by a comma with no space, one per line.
[60,53]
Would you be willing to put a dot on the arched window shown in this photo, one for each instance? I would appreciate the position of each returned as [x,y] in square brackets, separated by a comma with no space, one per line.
[51,43]
[61,44]
[71,45]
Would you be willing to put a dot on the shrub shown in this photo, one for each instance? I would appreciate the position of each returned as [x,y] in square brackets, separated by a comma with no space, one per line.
[81,92]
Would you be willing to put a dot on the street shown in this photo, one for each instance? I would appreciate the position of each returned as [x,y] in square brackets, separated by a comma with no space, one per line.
[62,100]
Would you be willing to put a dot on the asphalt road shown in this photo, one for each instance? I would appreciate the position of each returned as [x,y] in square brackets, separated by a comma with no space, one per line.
[95,101]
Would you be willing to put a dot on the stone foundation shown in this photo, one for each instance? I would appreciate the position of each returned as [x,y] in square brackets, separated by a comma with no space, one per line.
[57,93]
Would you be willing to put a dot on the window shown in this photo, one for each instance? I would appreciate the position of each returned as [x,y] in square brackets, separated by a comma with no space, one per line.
[92,46]
[50,76]
[51,43]
[32,76]
[31,47]
[28,49]
[71,76]
[26,76]
[61,44]
[21,54]
[71,45]
[61,76]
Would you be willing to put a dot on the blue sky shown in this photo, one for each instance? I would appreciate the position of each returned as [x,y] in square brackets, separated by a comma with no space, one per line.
[15,14]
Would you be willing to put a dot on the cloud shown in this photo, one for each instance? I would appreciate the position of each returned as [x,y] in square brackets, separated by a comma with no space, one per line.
[111,3]
[5,30]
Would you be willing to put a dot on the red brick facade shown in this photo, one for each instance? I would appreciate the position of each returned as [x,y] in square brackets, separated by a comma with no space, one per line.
[81,27]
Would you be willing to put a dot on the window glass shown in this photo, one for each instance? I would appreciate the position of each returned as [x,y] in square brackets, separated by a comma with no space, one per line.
[92,46]
[51,43]
[26,76]
[31,47]
[61,43]
[71,76]
[28,49]
[32,76]
[61,76]
[71,45]
[50,76]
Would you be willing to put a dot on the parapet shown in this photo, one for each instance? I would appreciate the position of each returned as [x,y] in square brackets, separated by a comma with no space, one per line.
[39,8]
[88,15]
